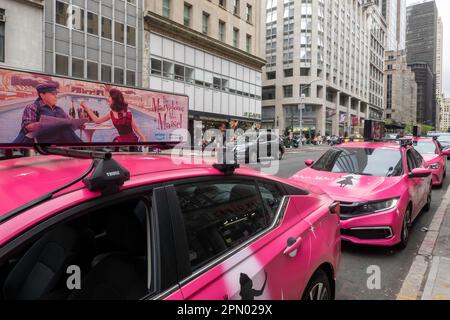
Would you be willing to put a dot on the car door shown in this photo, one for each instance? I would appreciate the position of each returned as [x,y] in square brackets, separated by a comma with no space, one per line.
[414,184]
[425,183]
[246,240]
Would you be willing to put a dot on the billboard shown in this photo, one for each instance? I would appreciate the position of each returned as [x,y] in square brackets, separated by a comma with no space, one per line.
[374,130]
[44,109]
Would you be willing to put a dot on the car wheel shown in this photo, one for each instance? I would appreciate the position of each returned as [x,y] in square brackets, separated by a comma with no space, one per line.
[429,196]
[318,287]
[404,237]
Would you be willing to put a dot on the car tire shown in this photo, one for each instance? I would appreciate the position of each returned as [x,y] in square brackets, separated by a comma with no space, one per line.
[404,235]
[318,287]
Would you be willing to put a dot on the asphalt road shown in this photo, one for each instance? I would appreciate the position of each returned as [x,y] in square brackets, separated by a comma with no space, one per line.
[394,264]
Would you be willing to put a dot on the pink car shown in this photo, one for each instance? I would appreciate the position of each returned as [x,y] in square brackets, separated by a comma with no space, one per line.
[435,158]
[172,231]
[382,188]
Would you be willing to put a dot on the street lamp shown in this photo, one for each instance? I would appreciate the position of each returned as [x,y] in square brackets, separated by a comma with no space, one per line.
[301,106]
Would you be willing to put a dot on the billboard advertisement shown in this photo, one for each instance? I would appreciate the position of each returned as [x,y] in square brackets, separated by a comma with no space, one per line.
[44,109]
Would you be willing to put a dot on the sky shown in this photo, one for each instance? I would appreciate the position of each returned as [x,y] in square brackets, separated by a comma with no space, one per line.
[444,12]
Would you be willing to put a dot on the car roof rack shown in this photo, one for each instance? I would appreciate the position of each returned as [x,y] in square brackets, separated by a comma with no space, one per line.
[222,164]
[404,142]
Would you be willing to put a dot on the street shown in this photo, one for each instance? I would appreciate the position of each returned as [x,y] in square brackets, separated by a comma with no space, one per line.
[394,264]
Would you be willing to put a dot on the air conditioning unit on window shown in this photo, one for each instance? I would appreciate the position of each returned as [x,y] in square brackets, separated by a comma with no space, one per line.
[75,18]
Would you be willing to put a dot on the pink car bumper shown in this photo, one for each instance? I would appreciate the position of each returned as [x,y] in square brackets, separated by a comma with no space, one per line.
[381,229]
[438,176]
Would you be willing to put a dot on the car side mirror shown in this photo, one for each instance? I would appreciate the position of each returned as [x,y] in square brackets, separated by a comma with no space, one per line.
[420,173]
[446,152]
[309,163]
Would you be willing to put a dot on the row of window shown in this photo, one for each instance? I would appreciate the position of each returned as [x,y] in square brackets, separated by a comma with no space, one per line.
[93,71]
[170,70]
[74,17]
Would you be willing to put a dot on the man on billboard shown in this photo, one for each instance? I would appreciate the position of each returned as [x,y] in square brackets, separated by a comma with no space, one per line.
[44,122]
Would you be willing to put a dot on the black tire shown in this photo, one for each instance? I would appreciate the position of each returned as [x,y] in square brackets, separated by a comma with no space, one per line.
[318,287]
[404,236]
[429,197]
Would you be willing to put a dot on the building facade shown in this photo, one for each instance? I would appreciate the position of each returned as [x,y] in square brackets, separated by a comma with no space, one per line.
[327,58]
[21,40]
[426,112]
[422,46]
[401,89]
[99,40]
[208,50]
[445,115]
[439,57]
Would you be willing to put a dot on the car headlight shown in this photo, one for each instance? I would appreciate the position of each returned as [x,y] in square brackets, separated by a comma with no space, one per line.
[380,206]
[434,166]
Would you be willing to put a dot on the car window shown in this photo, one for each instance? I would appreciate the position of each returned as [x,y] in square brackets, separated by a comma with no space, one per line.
[99,255]
[271,195]
[426,147]
[417,158]
[362,161]
[219,216]
[411,161]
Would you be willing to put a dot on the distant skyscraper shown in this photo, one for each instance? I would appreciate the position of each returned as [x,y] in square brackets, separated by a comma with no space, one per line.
[394,12]
[421,45]
[439,53]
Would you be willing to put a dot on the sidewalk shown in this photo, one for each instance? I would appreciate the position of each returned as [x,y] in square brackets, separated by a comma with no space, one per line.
[308,148]
[429,276]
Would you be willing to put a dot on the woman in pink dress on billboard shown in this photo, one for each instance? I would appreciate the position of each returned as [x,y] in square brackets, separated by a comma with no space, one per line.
[121,118]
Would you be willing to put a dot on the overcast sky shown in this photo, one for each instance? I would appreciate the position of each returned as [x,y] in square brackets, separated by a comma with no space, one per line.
[444,12]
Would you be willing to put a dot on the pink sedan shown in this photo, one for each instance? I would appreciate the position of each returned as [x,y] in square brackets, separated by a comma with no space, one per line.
[170,232]
[435,158]
[382,188]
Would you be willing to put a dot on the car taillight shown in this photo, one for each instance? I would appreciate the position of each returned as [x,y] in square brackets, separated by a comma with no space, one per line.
[335,208]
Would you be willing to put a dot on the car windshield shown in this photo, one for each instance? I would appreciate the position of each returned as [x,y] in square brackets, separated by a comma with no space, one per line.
[362,161]
[426,147]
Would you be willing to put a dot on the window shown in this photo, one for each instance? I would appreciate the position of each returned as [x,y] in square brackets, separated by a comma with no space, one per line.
[248,45]
[2,38]
[62,13]
[271,75]
[168,69]
[222,33]
[77,68]
[179,72]
[271,196]
[106,28]
[131,78]
[236,7]
[269,93]
[288,73]
[236,37]
[288,91]
[106,73]
[62,65]
[156,67]
[76,18]
[187,14]
[360,161]
[166,8]
[119,32]
[93,241]
[92,23]
[92,70]
[249,13]
[205,23]
[131,36]
[223,3]
[220,216]
[118,76]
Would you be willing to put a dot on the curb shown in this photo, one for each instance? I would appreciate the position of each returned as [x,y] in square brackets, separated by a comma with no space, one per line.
[411,289]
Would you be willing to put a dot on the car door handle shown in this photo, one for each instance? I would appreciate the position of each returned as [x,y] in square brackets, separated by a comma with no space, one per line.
[293,244]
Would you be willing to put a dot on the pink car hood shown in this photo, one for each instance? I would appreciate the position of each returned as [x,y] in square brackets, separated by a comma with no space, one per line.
[349,187]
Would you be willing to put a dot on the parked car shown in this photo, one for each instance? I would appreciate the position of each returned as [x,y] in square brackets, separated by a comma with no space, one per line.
[172,231]
[382,187]
[435,158]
